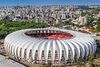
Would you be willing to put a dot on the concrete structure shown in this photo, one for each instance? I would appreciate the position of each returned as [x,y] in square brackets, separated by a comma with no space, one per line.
[42,44]
[82,20]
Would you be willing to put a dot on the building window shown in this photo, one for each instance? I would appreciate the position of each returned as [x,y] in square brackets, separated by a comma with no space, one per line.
[11,52]
[20,52]
[17,51]
[30,54]
[56,54]
[42,54]
[62,53]
[63,57]
[25,53]
[75,57]
[49,55]
[36,56]
[69,54]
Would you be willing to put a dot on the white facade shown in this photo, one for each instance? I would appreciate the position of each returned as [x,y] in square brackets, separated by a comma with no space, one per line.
[25,47]
[83,20]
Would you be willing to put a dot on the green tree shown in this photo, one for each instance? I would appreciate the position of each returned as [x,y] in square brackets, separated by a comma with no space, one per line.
[80,62]
[8,26]
[98,26]
[49,64]
[91,60]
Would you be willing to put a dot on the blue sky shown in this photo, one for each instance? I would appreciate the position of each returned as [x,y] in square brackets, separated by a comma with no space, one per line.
[48,2]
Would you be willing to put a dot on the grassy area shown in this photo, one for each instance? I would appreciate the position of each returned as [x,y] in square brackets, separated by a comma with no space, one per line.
[95,65]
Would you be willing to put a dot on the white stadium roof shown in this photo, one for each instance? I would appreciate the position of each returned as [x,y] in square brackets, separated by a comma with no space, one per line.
[26,47]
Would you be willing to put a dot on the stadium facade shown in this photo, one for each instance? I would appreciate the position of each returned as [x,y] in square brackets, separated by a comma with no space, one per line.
[39,45]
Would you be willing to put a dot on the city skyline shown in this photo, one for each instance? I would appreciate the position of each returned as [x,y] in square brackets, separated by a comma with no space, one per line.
[48,2]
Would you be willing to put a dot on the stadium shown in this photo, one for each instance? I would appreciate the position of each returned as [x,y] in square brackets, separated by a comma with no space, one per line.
[40,45]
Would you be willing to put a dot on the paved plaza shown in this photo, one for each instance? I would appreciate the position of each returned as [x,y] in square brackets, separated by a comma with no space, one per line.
[8,62]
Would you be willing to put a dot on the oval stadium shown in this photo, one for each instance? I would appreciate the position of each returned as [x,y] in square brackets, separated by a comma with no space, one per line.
[40,45]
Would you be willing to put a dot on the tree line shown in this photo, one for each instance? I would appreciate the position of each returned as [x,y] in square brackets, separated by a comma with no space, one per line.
[8,26]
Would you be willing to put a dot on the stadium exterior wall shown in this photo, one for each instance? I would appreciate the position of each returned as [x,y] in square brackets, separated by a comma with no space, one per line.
[38,50]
